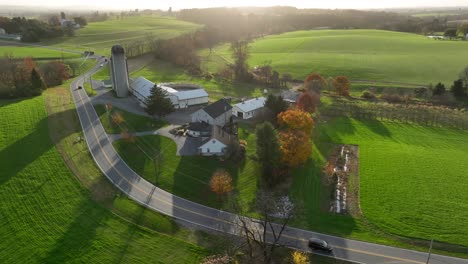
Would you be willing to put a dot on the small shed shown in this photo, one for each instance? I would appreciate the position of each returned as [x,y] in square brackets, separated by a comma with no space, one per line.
[218,113]
[249,108]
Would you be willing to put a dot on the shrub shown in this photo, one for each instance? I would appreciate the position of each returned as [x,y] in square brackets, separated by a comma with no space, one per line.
[368,95]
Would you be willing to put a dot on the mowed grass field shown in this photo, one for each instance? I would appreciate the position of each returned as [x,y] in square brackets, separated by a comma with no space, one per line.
[375,55]
[35,52]
[412,178]
[47,216]
[101,36]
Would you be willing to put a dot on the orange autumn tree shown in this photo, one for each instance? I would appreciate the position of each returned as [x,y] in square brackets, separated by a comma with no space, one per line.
[341,84]
[295,147]
[221,182]
[295,119]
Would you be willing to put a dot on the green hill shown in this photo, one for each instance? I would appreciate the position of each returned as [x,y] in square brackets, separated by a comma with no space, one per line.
[101,36]
[359,54]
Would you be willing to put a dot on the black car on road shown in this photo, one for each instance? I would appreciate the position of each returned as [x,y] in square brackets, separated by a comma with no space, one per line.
[320,244]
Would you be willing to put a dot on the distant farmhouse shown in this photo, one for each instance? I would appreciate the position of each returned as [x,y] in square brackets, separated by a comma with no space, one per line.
[69,23]
[5,35]
[250,108]
[141,89]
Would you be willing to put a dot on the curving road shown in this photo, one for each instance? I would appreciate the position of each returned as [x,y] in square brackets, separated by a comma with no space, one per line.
[145,193]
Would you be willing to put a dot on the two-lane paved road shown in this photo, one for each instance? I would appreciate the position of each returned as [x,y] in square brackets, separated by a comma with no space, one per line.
[145,193]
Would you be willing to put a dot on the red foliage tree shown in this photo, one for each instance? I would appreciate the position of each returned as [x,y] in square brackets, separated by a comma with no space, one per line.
[342,85]
[315,82]
[308,101]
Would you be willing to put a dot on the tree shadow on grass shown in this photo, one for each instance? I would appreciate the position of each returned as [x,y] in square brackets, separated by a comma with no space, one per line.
[26,150]
[80,234]
[377,127]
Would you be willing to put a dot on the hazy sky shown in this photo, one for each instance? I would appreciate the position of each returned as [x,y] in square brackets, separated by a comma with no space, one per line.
[178,4]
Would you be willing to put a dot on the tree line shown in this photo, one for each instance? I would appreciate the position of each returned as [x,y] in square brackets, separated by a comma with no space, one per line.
[23,78]
[33,30]
[252,22]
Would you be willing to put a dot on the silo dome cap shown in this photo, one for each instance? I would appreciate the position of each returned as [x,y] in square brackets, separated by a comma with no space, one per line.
[117,49]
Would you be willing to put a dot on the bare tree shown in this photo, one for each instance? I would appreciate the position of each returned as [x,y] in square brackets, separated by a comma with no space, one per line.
[262,236]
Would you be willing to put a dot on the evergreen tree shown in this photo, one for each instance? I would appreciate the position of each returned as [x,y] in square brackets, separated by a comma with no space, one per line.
[37,84]
[439,89]
[158,103]
[458,89]
[267,148]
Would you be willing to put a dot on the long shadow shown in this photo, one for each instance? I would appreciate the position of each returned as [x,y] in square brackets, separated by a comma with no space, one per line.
[79,235]
[377,127]
[26,150]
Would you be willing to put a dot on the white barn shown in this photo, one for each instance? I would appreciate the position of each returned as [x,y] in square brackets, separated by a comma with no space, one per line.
[141,89]
[249,108]
[218,113]
[217,144]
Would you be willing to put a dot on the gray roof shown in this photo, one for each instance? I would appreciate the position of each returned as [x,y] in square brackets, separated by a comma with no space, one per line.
[217,108]
[252,104]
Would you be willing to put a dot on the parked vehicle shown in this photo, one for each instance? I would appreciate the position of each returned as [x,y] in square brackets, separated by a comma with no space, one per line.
[316,243]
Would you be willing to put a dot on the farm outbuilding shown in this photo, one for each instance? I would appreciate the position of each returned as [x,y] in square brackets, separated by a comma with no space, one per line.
[249,108]
[141,89]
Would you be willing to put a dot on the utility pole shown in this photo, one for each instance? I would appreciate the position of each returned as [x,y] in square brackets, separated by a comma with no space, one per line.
[430,250]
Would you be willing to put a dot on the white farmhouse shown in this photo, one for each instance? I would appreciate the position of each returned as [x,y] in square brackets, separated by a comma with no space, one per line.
[141,89]
[218,113]
[217,144]
[249,108]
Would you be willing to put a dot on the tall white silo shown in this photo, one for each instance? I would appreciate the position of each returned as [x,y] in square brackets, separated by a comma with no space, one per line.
[119,71]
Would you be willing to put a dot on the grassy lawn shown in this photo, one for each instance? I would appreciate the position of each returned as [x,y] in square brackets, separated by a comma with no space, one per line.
[89,91]
[411,181]
[36,52]
[161,71]
[48,217]
[132,122]
[189,177]
[359,54]
[101,36]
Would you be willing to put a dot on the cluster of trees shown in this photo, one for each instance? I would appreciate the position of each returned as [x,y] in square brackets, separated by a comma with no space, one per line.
[22,78]
[411,113]
[31,30]
[254,22]
[285,147]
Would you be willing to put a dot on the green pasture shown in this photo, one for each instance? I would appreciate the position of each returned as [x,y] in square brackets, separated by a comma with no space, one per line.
[412,180]
[189,176]
[36,52]
[46,214]
[101,36]
[131,122]
[375,55]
